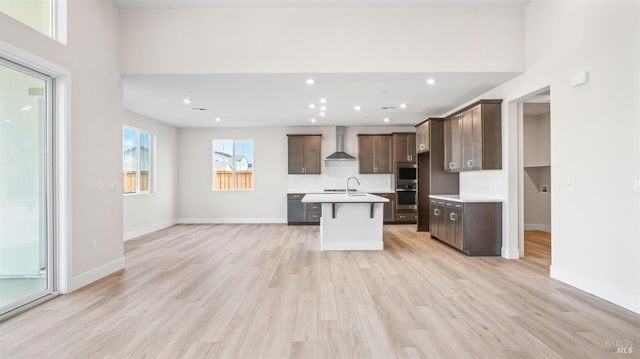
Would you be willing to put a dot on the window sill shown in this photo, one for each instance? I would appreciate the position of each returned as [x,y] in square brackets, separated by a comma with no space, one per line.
[136,194]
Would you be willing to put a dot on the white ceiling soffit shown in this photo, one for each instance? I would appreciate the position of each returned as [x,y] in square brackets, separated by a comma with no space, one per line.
[312,3]
[266,100]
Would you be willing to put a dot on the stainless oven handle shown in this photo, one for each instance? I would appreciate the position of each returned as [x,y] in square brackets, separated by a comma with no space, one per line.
[405,190]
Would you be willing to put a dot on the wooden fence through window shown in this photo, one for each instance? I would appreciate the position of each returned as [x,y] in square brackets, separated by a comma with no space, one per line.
[223,179]
[129,181]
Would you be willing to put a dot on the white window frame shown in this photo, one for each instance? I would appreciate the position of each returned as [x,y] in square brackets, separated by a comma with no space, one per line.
[152,147]
[233,156]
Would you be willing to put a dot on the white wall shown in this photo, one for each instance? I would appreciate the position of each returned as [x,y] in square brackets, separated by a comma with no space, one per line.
[95,115]
[594,141]
[267,201]
[148,212]
[281,40]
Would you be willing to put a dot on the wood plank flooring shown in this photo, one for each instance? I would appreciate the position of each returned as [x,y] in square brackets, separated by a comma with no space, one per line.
[266,291]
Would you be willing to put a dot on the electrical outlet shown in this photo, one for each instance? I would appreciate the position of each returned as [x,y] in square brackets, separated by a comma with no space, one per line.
[571,183]
[100,186]
[94,243]
[115,186]
[636,186]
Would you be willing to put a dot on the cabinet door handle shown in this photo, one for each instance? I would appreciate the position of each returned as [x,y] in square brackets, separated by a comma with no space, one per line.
[436,212]
[452,165]
[304,170]
[452,216]
[422,146]
[470,163]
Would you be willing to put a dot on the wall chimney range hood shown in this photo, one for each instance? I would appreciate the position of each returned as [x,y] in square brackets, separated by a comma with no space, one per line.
[340,155]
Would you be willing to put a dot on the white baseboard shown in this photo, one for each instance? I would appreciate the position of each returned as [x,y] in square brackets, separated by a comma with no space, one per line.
[351,246]
[93,275]
[231,220]
[537,227]
[613,295]
[146,230]
[510,253]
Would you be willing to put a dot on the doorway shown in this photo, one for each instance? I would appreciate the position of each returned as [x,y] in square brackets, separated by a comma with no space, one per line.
[535,179]
[26,183]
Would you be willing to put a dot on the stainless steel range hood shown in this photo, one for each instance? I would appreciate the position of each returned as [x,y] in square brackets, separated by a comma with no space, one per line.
[340,155]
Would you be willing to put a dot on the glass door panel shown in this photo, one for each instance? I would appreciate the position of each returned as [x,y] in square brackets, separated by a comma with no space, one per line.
[25,244]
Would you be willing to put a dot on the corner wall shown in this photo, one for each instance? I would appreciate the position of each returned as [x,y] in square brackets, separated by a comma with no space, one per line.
[595,134]
[147,212]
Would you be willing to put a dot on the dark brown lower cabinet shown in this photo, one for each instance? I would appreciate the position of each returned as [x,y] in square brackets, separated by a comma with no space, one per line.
[474,228]
[302,213]
[406,217]
[388,206]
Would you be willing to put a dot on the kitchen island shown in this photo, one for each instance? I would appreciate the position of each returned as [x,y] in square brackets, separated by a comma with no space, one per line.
[350,222]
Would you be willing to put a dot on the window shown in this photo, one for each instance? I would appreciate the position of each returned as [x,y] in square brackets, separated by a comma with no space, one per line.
[232,165]
[136,160]
[37,14]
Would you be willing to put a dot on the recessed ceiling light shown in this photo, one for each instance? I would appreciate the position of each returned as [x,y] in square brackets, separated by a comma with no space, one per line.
[312,106]
[187,100]
[321,114]
[357,108]
[323,100]
[386,119]
[323,108]
[198,109]
[313,120]
[7,120]
[310,81]
[26,108]
[431,81]
[218,119]
[403,105]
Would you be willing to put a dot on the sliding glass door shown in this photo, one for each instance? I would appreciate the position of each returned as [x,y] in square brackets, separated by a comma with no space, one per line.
[26,245]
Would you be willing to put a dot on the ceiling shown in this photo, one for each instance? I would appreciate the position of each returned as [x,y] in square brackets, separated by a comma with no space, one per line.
[267,100]
[313,3]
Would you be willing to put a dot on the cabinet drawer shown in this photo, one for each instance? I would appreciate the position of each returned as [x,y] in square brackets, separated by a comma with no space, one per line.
[313,216]
[406,217]
[313,206]
[454,205]
[295,196]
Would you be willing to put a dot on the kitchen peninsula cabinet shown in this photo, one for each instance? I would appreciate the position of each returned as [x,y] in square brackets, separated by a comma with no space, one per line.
[374,154]
[473,138]
[304,154]
[404,147]
[471,225]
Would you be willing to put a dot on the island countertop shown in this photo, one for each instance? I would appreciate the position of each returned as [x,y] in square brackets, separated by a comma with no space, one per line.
[464,198]
[342,198]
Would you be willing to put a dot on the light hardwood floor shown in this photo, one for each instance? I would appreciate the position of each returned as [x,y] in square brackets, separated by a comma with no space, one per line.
[248,291]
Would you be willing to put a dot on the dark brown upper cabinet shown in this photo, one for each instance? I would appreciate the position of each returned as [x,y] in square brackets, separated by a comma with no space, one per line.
[404,147]
[422,137]
[304,154]
[374,154]
[473,138]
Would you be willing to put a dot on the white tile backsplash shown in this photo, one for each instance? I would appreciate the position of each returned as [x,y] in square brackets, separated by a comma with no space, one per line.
[481,183]
[335,174]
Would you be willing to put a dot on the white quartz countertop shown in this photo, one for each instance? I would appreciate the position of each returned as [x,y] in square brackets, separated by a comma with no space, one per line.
[321,191]
[464,198]
[342,198]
